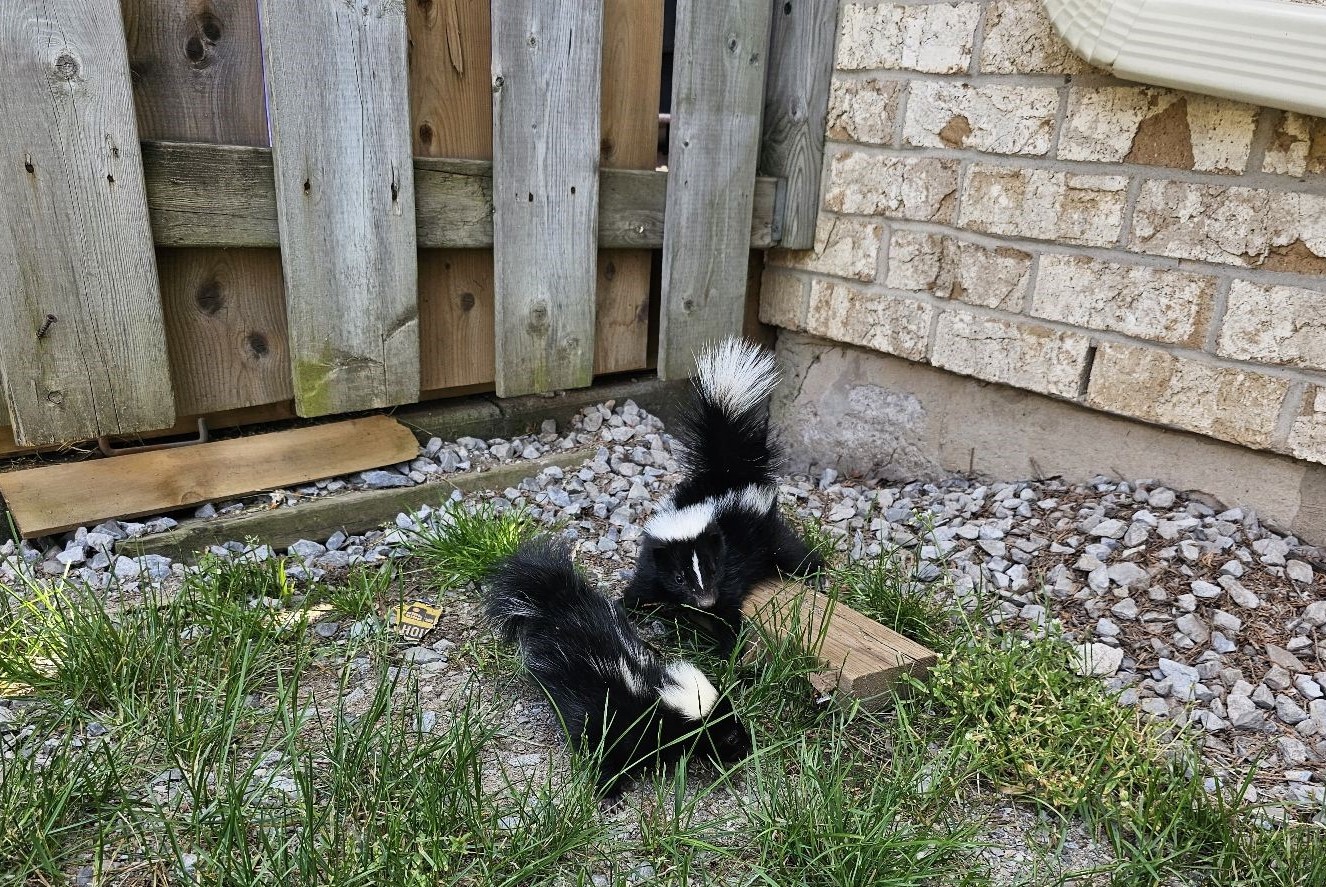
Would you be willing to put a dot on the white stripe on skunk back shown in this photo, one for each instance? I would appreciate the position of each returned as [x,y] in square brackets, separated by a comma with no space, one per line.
[687,691]
[679,524]
[736,375]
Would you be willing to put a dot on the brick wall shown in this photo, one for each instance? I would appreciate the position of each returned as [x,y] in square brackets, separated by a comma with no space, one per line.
[996,207]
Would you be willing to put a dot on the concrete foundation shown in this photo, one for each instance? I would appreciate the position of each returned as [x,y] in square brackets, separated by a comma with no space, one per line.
[872,415]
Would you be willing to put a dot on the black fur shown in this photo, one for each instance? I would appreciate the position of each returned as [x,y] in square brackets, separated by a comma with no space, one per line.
[606,684]
[729,469]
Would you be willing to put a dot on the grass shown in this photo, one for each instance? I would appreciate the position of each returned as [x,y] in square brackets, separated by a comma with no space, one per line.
[465,540]
[225,753]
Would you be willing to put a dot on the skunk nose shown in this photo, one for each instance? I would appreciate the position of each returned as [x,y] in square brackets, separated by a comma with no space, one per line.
[705,601]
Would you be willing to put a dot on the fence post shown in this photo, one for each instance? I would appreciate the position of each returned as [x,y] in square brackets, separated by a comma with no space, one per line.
[82,342]
[338,98]
[718,91]
[546,90]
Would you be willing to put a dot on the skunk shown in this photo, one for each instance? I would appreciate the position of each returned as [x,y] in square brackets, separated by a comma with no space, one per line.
[610,689]
[721,532]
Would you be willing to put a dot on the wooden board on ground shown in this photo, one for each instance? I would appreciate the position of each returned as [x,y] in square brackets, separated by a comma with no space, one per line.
[56,498]
[718,90]
[546,70]
[338,100]
[863,659]
[82,339]
[197,77]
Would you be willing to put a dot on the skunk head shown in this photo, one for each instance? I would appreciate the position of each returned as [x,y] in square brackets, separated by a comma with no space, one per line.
[688,551]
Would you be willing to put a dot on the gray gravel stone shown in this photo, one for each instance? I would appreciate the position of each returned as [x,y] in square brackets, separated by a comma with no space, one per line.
[381,480]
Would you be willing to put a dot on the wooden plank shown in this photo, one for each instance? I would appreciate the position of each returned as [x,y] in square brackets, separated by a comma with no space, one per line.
[339,107]
[863,658]
[451,110]
[546,97]
[796,101]
[56,498]
[354,512]
[718,90]
[77,245]
[197,77]
[222,195]
[632,67]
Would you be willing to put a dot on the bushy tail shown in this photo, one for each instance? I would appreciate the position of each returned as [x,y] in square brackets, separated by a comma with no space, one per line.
[537,583]
[724,434]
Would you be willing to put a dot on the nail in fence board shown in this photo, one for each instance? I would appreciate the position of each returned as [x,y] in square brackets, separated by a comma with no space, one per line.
[197,77]
[796,102]
[718,90]
[546,95]
[75,243]
[56,498]
[339,105]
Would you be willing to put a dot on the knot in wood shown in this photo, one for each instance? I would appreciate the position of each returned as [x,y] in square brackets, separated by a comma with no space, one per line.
[66,66]
[538,317]
[55,397]
[732,43]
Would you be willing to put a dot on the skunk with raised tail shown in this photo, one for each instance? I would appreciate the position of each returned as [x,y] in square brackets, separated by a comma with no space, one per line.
[721,533]
[610,689]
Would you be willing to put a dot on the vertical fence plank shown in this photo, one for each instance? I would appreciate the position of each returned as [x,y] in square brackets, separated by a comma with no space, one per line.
[197,77]
[718,91]
[338,99]
[546,93]
[632,64]
[75,243]
[796,100]
[451,104]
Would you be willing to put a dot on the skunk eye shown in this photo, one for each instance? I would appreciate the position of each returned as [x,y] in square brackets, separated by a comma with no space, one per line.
[681,578]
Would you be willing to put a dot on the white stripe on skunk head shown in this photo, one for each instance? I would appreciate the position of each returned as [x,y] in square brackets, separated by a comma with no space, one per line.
[736,375]
[687,691]
[680,524]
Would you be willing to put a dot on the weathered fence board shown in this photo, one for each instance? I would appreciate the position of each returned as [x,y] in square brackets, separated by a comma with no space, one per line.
[546,96]
[718,92]
[796,100]
[75,244]
[451,106]
[339,109]
[632,62]
[197,77]
[219,195]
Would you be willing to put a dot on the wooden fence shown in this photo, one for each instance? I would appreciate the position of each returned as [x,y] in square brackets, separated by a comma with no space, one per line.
[211,206]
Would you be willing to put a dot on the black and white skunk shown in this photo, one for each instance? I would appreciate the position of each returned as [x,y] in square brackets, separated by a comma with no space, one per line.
[611,690]
[721,533]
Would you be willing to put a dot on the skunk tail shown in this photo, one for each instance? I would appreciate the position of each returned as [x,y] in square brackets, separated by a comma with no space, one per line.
[724,434]
[535,583]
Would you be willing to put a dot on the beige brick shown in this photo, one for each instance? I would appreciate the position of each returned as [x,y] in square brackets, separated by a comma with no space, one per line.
[863,110]
[1307,438]
[843,248]
[1155,386]
[1297,146]
[917,188]
[968,272]
[1019,354]
[874,320]
[1275,324]
[1020,40]
[783,299]
[935,38]
[1044,204]
[1277,231]
[1150,303]
[916,261]
[1157,127]
[991,118]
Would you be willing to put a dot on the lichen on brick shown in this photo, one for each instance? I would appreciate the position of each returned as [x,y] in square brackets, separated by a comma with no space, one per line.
[916,188]
[1019,39]
[863,111]
[934,38]
[1283,325]
[992,118]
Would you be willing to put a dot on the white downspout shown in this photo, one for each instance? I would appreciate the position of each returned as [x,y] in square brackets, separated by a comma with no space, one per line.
[1260,51]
